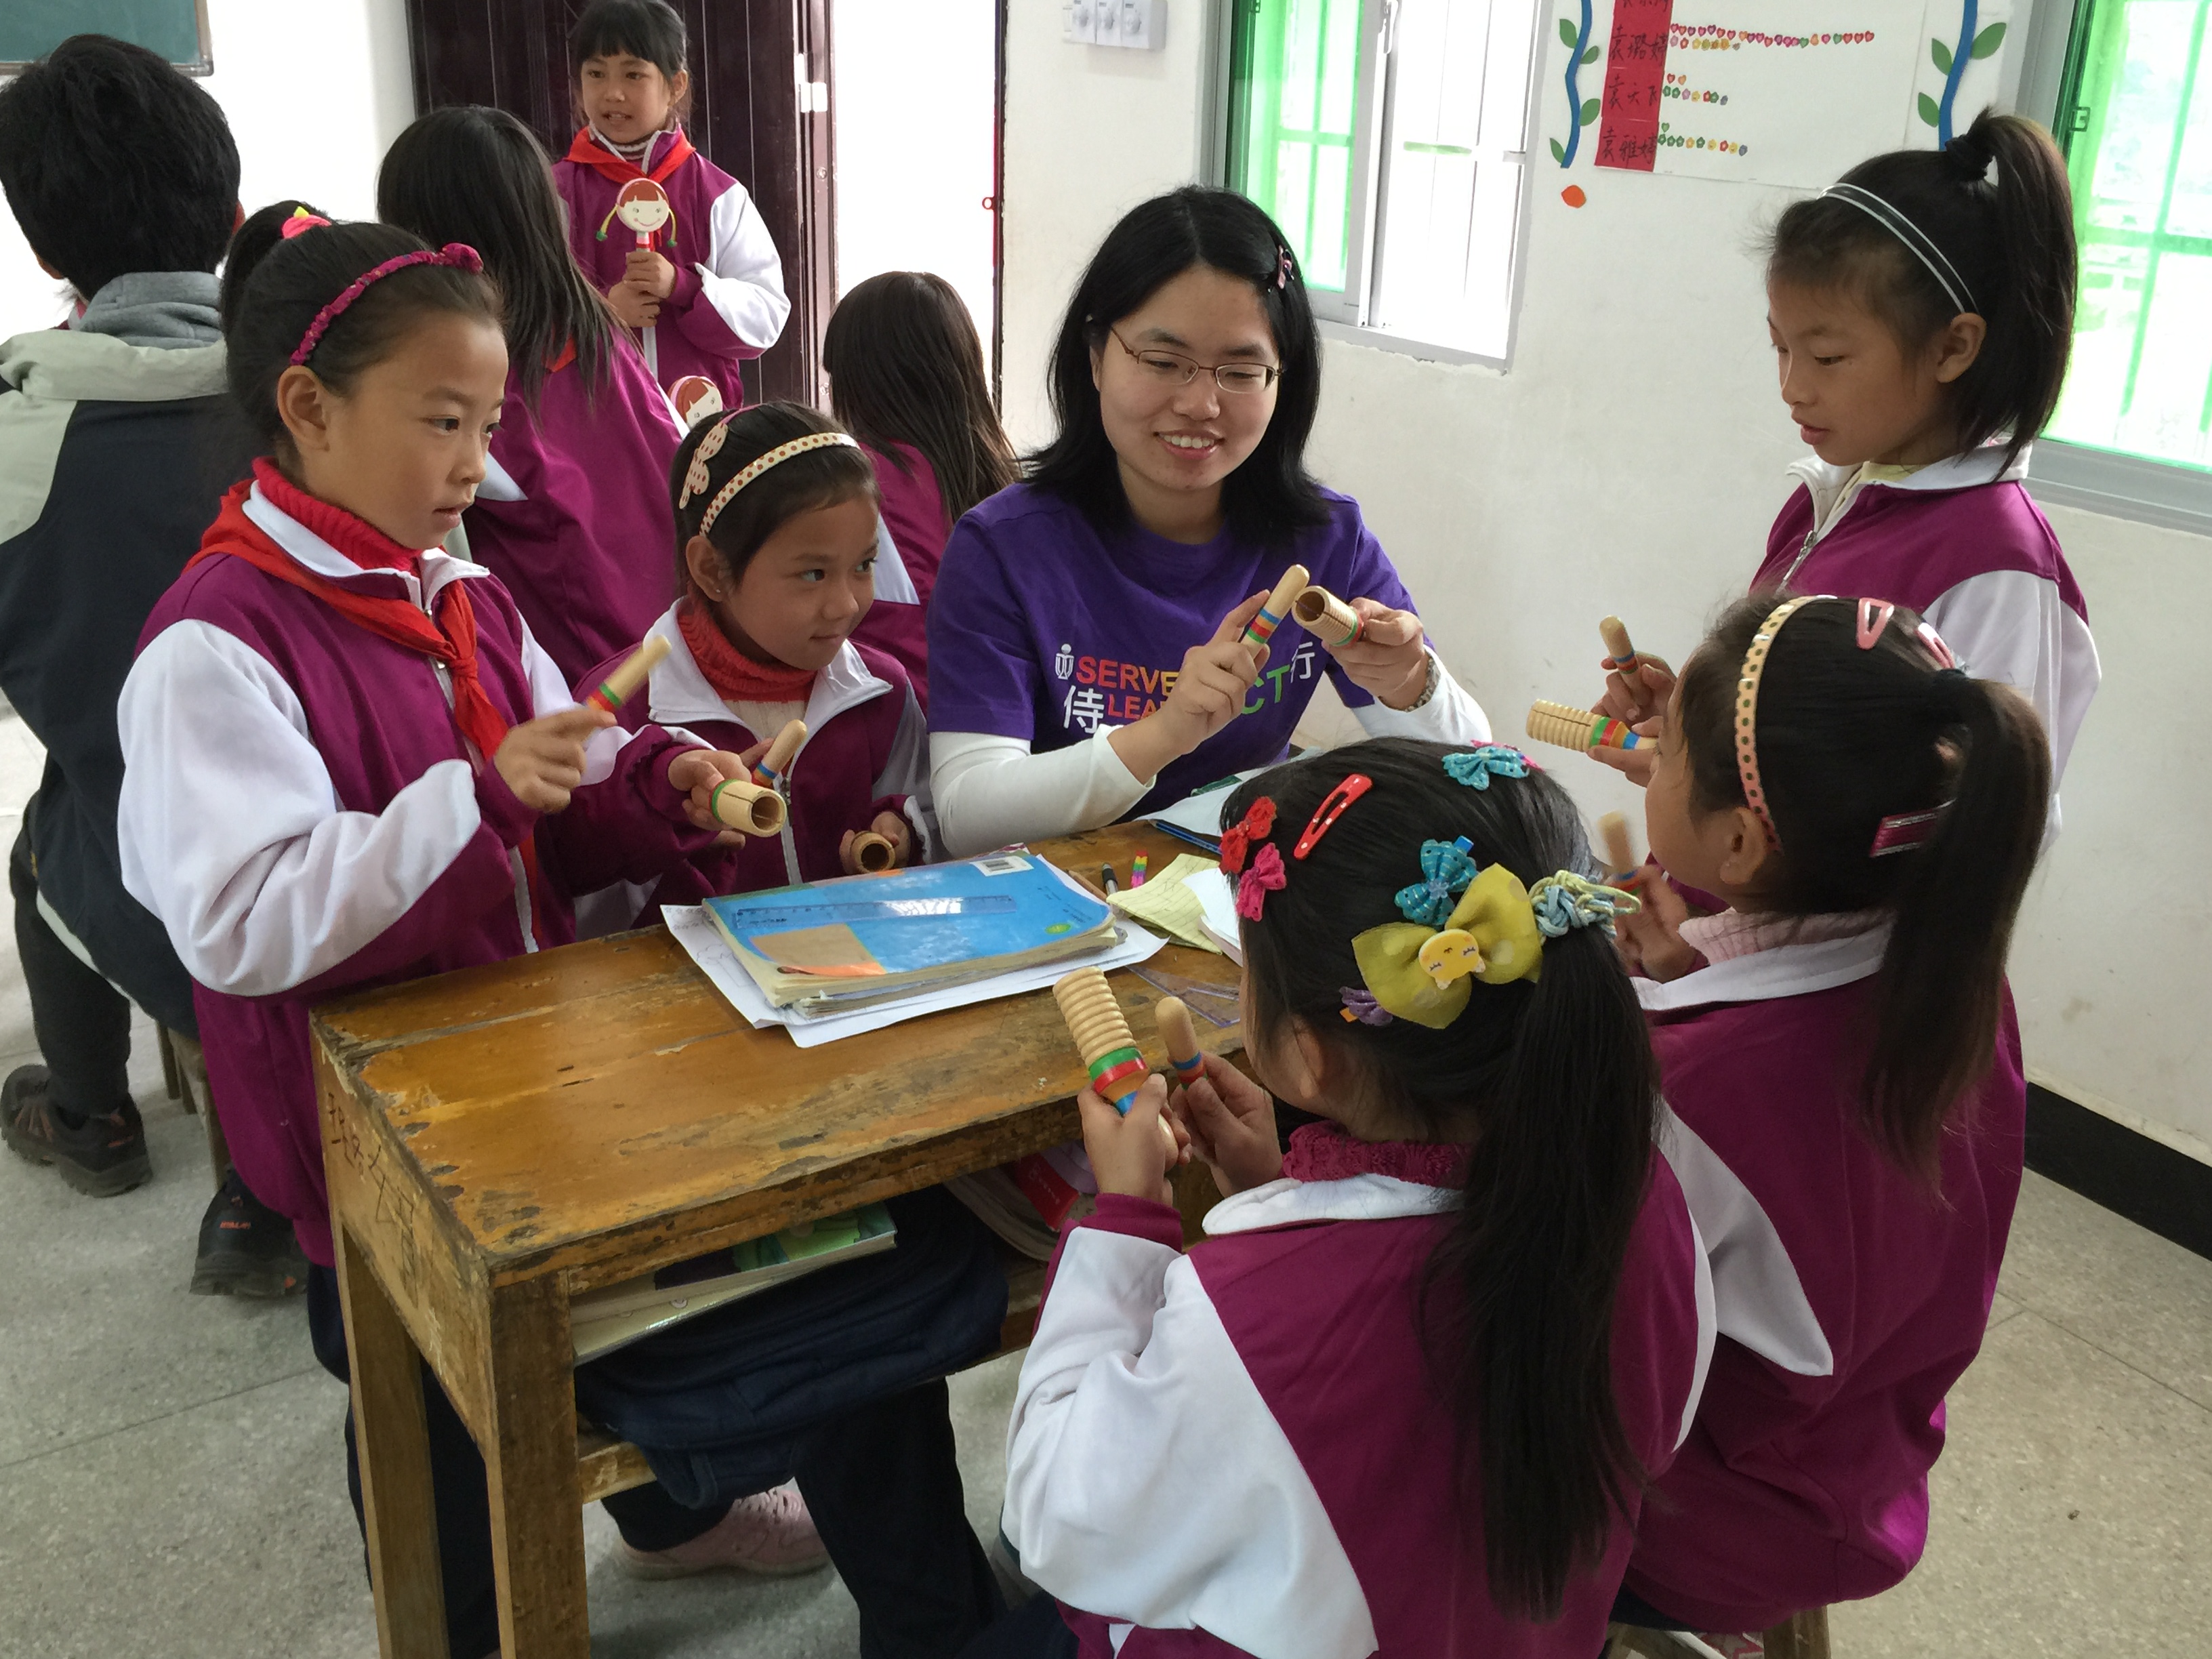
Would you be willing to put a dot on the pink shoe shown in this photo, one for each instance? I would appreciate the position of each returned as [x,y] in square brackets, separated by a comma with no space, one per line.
[769,1533]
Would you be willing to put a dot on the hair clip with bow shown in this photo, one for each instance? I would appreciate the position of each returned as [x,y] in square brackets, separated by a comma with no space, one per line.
[1476,766]
[1447,867]
[1259,820]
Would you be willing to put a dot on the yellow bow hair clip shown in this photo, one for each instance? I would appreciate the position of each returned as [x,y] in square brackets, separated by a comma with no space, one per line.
[1426,974]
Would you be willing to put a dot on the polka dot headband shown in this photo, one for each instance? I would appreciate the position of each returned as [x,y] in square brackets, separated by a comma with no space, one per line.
[696,477]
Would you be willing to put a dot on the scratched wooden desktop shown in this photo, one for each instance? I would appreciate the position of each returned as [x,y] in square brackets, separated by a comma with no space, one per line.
[501,1138]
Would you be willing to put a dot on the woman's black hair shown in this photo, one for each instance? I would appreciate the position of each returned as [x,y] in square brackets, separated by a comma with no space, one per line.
[113,162]
[650,29]
[466,173]
[1271,495]
[2010,239]
[1846,737]
[275,285]
[818,478]
[906,367]
[1559,1082]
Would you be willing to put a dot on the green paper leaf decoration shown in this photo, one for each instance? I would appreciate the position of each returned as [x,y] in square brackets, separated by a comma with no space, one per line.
[1567,32]
[1558,152]
[1941,54]
[1590,56]
[1989,40]
[1929,112]
[1589,111]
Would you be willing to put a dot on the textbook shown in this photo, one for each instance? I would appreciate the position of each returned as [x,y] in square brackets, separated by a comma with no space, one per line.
[856,940]
[603,1321]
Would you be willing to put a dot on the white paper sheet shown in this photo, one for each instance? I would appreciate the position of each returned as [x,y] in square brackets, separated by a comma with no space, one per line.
[1217,904]
[1200,814]
[700,938]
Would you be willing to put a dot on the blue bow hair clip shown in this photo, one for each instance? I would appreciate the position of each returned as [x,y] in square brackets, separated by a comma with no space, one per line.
[1447,867]
[1567,900]
[1476,766]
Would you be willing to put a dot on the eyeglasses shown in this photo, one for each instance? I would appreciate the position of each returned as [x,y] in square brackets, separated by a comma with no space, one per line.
[1173,369]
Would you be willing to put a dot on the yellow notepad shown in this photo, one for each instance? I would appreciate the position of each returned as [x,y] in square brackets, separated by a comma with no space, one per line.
[1166,904]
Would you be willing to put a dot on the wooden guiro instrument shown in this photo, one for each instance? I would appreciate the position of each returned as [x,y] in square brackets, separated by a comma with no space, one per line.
[1577,728]
[873,854]
[1262,628]
[770,768]
[750,809]
[1103,1038]
[629,674]
[1172,1015]
[1327,617]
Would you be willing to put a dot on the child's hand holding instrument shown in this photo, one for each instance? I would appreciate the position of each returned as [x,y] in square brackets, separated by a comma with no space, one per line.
[768,770]
[881,846]
[698,773]
[1101,1036]
[1637,686]
[747,808]
[1578,728]
[1276,607]
[542,760]
[1327,619]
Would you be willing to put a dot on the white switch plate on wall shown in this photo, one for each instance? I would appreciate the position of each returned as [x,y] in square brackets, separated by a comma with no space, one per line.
[1140,25]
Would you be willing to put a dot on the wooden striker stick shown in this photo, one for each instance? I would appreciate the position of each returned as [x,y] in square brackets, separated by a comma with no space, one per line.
[748,808]
[1173,1017]
[1262,627]
[872,853]
[770,768]
[1620,851]
[1621,654]
[1103,1038]
[1327,617]
[1577,728]
[632,672]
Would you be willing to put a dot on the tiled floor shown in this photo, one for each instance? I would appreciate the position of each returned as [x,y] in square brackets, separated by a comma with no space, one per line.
[172,1485]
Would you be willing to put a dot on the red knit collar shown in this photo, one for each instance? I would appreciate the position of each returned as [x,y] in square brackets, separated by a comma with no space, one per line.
[358,539]
[1327,1152]
[735,676]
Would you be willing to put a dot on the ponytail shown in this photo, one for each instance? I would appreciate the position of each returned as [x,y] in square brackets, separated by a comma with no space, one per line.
[1554,1084]
[1529,1270]
[250,245]
[2009,238]
[1849,737]
[1943,975]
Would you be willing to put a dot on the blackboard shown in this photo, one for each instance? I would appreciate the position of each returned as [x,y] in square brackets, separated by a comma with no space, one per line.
[176,29]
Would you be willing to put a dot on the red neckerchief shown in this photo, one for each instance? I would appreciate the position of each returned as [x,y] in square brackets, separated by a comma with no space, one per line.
[451,640]
[735,676]
[586,151]
[1327,1152]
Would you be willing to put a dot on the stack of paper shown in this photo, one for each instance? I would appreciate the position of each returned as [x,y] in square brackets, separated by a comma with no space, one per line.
[831,946]
[1216,906]
[1166,904]
[603,1321]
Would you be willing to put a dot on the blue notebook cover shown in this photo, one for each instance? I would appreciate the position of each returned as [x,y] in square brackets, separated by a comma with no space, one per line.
[939,917]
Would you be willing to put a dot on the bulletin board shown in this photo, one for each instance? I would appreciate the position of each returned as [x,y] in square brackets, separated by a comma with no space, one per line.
[1771,92]
[174,29]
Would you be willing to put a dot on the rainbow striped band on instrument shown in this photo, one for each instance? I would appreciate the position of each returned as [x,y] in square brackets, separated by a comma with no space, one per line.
[1117,1075]
[1610,733]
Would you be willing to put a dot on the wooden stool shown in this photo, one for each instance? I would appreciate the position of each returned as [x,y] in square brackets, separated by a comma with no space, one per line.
[184,1075]
[1802,1636]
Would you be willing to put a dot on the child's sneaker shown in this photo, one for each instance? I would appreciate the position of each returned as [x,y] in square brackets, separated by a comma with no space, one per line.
[769,1533]
[100,1156]
[245,1248]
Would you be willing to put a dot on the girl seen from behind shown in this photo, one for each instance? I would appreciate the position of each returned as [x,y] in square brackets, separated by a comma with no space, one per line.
[1405,1397]
[906,377]
[572,513]
[1922,312]
[1841,1058]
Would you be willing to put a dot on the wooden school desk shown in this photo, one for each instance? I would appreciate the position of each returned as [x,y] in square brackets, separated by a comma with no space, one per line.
[501,1138]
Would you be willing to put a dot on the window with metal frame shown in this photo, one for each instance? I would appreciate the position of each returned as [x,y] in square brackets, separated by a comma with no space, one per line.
[2134,118]
[1385,137]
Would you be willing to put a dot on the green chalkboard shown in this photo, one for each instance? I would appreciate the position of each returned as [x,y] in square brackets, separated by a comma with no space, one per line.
[177,29]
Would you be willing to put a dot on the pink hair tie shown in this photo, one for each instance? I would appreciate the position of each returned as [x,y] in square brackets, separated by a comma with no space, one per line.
[300,219]
[457,255]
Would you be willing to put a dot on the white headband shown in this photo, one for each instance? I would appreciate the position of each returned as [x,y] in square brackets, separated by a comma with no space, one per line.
[1922,245]
[694,478]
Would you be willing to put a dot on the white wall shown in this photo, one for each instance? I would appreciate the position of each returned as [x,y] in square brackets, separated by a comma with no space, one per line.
[315,90]
[1630,461]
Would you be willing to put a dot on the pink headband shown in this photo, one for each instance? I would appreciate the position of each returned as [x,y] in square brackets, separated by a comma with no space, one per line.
[459,255]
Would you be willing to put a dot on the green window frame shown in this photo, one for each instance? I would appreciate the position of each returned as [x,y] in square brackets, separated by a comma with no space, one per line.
[2134,118]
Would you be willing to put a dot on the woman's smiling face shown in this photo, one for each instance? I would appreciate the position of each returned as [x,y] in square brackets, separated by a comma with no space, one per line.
[1177,440]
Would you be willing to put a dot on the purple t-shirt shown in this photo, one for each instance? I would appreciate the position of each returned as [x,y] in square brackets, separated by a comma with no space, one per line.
[1045,629]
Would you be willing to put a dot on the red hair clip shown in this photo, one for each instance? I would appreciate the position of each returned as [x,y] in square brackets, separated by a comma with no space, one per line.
[1258,821]
[1331,808]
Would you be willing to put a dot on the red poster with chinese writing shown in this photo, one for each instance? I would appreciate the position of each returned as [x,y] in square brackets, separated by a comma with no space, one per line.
[1635,71]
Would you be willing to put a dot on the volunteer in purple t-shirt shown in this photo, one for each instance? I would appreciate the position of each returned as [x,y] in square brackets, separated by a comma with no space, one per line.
[1083,639]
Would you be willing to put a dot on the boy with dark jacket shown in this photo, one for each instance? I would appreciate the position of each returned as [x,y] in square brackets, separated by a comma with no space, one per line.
[115,446]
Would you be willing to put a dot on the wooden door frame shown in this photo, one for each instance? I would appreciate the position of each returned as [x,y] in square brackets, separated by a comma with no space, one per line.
[751,62]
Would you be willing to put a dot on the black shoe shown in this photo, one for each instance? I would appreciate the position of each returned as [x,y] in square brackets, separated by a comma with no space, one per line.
[245,1248]
[102,1156]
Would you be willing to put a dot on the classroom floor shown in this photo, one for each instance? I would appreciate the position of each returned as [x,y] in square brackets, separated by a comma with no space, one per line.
[172,1483]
